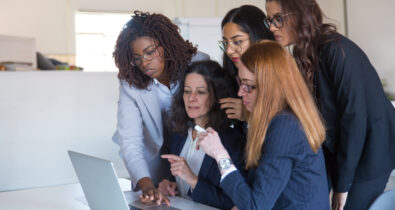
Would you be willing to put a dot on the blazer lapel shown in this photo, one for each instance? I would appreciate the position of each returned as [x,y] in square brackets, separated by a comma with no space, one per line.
[206,165]
[177,143]
[151,101]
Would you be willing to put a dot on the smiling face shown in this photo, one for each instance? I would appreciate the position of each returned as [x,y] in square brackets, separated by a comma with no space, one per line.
[247,78]
[237,41]
[148,56]
[196,98]
[282,35]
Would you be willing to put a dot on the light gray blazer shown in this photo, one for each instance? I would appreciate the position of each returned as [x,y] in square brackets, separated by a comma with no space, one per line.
[139,128]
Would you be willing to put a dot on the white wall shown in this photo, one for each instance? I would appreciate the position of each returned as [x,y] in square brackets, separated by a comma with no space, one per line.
[44,114]
[334,13]
[46,20]
[51,22]
[371,26]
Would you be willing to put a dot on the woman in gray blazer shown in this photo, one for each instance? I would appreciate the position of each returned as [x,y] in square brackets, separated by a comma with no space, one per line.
[150,54]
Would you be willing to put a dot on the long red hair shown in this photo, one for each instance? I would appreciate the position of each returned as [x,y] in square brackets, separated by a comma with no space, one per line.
[280,85]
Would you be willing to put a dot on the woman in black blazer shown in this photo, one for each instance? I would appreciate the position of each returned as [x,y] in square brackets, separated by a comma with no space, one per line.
[196,175]
[360,120]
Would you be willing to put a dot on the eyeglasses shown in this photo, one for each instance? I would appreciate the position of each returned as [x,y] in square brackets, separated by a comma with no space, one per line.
[276,20]
[246,88]
[235,43]
[148,55]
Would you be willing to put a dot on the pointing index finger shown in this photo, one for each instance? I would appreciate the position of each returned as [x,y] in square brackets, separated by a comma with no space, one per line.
[170,157]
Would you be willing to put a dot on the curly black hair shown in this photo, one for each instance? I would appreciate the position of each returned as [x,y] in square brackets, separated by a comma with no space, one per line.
[177,52]
[218,87]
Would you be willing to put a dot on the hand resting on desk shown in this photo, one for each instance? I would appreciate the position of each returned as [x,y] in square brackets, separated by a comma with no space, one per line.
[150,193]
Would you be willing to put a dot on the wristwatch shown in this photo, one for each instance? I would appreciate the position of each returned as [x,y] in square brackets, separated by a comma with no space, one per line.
[224,163]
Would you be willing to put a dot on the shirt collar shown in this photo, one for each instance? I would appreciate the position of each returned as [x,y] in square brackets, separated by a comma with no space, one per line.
[290,48]
[156,82]
[173,86]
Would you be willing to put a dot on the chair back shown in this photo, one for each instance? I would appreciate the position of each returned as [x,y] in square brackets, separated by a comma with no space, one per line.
[385,201]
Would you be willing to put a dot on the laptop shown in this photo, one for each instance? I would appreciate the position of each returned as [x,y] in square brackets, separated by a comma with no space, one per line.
[100,184]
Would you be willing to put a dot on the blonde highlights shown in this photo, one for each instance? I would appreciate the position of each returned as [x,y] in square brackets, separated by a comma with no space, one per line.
[280,85]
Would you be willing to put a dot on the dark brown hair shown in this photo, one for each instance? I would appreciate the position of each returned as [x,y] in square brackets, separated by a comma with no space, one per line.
[177,52]
[250,20]
[218,87]
[308,33]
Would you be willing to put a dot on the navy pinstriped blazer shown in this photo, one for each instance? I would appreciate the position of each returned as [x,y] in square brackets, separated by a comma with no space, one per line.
[289,175]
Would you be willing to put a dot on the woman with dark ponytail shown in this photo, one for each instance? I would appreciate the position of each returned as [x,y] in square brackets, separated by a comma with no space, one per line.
[241,27]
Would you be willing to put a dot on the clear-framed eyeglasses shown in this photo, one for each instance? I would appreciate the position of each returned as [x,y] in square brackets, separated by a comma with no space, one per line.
[246,88]
[276,20]
[235,44]
[148,55]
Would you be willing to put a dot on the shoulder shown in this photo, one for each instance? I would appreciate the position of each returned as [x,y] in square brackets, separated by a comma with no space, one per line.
[285,120]
[344,63]
[126,88]
[339,46]
[284,133]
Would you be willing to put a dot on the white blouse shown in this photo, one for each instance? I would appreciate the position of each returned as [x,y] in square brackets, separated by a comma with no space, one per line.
[194,159]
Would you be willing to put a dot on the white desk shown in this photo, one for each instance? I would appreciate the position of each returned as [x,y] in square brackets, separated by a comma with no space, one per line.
[63,197]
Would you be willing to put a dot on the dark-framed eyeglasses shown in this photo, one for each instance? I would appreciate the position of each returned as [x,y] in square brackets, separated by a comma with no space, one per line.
[246,88]
[276,20]
[236,44]
[148,55]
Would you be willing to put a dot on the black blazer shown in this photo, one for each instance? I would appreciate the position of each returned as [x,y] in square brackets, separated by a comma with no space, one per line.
[207,189]
[360,119]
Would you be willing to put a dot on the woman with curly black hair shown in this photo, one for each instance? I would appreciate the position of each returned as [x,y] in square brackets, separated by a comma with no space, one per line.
[150,54]
[196,175]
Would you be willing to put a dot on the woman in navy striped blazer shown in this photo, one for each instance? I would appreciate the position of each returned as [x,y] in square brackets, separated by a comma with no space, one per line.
[283,152]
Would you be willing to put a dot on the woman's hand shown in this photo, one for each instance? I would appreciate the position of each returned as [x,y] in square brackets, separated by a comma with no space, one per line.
[150,193]
[234,108]
[168,188]
[180,168]
[339,200]
[211,144]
